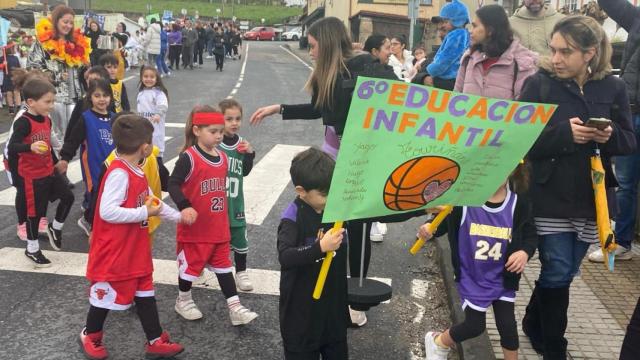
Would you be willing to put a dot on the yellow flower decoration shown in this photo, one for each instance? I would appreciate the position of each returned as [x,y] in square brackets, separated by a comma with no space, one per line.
[73,53]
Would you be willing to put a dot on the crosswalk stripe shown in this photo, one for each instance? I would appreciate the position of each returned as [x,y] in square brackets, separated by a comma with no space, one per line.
[173,125]
[266,282]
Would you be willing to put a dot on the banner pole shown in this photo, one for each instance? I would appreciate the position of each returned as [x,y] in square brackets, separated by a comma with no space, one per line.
[432,228]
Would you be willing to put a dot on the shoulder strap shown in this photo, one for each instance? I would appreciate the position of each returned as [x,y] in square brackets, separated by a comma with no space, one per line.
[515,78]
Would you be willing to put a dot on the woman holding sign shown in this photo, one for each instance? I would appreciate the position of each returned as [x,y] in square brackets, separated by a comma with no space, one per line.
[577,78]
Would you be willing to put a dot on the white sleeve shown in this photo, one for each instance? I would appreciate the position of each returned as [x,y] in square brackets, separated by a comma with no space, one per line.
[162,104]
[167,212]
[113,195]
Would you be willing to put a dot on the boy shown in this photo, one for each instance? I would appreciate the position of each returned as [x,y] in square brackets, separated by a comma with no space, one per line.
[31,160]
[240,155]
[120,99]
[120,266]
[309,327]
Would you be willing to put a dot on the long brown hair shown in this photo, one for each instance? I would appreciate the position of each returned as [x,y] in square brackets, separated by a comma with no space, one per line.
[57,14]
[189,138]
[519,178]
[334,48]
[159,84]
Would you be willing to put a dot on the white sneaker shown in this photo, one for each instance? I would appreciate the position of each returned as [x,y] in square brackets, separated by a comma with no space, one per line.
[358,318]
[433,351]
[84,225]
[242,281]
[376,234]
[622,254]
[188,309]
[241,316]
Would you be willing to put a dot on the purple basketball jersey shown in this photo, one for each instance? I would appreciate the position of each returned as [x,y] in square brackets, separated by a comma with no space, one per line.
[484,236]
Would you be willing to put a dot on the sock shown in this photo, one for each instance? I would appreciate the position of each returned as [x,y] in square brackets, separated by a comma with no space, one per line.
[438,342]
[233,303]
[241,261]
[33,246]
[57,225]
[184,295]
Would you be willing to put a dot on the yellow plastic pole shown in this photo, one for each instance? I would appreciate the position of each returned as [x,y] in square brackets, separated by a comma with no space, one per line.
[605,234]
[432,228]
[324,268]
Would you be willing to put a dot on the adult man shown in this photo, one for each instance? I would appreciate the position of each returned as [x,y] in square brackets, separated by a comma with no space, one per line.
[532,24]
[189,39]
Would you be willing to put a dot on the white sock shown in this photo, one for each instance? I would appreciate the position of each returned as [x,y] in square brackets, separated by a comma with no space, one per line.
[233,303]
[57,225]
[33,246]
[184,295]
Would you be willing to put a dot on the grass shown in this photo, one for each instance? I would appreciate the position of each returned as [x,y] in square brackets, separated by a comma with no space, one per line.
[253,13]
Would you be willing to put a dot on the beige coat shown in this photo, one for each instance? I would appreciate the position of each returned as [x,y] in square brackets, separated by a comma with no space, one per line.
[534,30]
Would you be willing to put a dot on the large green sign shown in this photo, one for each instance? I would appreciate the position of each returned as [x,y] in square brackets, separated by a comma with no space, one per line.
[408,146]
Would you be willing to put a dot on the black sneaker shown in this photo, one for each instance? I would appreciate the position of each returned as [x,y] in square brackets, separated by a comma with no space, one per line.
[55,237]
[38,258]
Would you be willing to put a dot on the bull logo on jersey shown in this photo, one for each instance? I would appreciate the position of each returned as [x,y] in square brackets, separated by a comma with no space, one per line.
[101,293]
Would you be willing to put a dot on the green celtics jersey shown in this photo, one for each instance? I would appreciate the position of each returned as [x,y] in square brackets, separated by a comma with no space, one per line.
[235,193]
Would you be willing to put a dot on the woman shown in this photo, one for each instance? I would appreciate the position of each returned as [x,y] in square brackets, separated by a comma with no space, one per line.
[379,46]
[578,78]
[93,32]
[122,37]
[401,59]
[153,41]
[496,65]
[49,54]
[175,46]
[218,48]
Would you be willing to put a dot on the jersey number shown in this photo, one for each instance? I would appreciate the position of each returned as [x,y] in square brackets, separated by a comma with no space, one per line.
[232,187]
[485,251]
[217,204]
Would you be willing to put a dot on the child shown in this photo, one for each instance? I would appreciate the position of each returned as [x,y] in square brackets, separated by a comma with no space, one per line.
[197,186]
[153,104]
[93,73]
[120,265]
[93,135]
[32,158]
[311,327]
[240,155]
[8,89]
[490,246]
[120,97]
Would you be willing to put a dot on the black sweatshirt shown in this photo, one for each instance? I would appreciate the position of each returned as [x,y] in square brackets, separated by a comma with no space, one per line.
[77,136]
[180,173]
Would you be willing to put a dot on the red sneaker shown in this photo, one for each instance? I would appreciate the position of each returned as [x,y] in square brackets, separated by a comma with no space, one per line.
[163,348]
[91,345]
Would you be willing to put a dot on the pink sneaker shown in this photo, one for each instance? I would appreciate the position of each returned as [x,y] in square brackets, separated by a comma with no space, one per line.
[22,231]
[42,227]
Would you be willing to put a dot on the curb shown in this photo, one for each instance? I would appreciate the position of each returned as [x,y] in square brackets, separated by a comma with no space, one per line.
[474,349]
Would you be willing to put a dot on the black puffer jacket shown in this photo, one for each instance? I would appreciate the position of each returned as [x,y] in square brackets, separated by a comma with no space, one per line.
[628,17]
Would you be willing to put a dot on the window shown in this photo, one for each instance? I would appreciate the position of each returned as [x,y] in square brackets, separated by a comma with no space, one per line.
[571,5]
[426,2]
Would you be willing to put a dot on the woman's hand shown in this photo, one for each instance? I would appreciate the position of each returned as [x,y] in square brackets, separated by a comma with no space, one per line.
[263,112]
[602,136]
[582,134]
[517,261]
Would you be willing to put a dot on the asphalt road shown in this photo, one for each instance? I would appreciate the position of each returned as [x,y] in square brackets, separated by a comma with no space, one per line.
[41,314]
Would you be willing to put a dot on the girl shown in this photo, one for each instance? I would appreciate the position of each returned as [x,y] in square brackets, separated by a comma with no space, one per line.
[578,78]
[401,59]
[92,134]
[8,89]
[419,57]
[490,246]
[153,104]
[175,46]
[218,48]
[198,187]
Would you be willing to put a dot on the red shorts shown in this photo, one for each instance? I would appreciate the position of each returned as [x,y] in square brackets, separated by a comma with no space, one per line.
[118,295]
[194,257]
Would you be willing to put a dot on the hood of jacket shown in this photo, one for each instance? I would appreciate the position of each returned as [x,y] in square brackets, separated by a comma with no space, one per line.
[524,13]
[456,12]
[525,58]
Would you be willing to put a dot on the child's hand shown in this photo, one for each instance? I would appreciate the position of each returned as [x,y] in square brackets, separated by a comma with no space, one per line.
[39,147]
[245,147]
[331,240]
[188,216]
[517,261]
[153,206]
[155,118]
[61,166]
[424,232]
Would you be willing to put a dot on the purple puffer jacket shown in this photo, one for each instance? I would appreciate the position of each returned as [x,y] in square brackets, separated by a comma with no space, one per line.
[174,38]
[499,80]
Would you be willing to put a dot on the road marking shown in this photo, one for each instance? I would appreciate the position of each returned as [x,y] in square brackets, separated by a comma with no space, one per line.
[129,78]
[297,57]
[267,180]
[174,125]
[241,76]
[265,282]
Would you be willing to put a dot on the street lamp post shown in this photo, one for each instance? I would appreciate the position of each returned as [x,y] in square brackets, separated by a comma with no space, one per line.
[183,11]
[149,7]
[217,14]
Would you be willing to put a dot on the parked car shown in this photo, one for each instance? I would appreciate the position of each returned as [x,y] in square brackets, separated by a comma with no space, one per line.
[261,33]
[293,34]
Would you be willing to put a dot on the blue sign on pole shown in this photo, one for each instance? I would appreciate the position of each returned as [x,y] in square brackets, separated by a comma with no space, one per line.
[167,15]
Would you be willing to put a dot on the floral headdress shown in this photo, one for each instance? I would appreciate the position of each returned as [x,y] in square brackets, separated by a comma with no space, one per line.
[73,53]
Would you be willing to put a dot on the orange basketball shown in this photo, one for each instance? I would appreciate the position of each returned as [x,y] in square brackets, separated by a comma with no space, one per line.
[419,181]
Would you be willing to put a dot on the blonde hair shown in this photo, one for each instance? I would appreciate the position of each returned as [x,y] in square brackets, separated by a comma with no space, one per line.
[334,48]
[583,33]
[189,138]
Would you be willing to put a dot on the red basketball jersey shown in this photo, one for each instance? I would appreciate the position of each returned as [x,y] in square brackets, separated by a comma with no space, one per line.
[205,187]
[30,164]
[121,251]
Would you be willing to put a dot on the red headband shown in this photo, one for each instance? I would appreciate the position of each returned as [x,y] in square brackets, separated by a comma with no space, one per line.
[208,118]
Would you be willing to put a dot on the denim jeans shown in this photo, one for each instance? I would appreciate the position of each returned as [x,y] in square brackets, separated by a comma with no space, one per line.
[560,255]
[161,63]
[628,175]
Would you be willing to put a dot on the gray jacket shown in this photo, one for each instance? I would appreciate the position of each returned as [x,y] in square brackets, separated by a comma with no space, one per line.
[189,37]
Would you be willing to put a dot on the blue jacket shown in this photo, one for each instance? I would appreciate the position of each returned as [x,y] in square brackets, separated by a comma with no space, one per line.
[447,60]
[163,41]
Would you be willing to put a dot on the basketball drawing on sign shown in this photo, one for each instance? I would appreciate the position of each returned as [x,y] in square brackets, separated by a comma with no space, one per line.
[419,181]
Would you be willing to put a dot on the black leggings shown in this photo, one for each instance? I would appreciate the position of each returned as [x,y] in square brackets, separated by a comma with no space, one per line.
[475,323]
[174,55]
[219,60]
[147,312]
[631,344]
[331,351]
